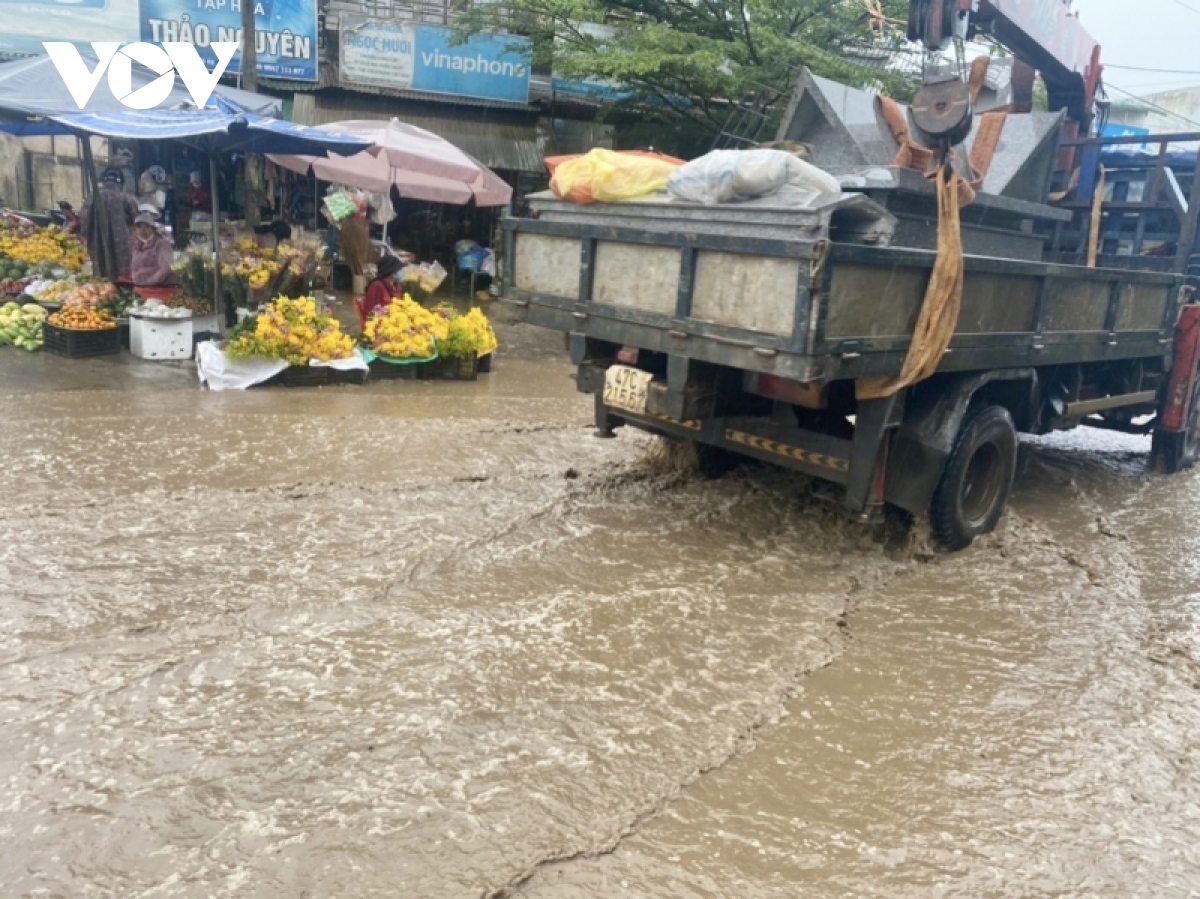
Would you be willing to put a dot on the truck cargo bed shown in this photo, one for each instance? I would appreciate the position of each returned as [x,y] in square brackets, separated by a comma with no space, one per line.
[811,294]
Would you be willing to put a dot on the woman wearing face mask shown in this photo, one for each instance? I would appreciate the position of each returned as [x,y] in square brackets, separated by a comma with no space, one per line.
[151,254]
[384,287]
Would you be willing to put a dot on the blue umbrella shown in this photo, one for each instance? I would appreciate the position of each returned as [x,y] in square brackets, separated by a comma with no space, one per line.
[212,130]
[33,88]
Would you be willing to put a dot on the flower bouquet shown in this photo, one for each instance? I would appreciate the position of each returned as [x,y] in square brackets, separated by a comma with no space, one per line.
[295,330]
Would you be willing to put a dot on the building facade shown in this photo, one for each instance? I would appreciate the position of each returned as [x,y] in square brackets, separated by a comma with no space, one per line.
[335,60]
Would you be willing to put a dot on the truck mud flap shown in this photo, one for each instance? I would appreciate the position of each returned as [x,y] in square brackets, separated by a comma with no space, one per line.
[1170,451]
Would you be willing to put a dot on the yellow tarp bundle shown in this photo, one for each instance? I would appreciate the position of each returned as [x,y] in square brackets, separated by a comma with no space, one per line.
[605,176]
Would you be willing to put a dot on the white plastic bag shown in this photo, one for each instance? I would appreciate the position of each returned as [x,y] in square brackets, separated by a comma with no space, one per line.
[725,175]
[220,372]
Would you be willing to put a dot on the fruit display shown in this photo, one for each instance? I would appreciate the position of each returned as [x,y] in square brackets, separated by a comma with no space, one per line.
[403,329]
[15,276]
[295,330]
[159,309]
[72,291]
[89,293]
[82,318]
[49,290]
[31,245]
[119,304]
[14,286]
[21,326]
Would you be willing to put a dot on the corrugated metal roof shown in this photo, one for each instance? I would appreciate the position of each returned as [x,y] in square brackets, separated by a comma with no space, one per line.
[498,140]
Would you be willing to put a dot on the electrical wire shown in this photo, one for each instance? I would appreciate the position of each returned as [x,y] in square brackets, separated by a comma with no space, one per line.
[1153,106]
[1186,6]
[1113,65]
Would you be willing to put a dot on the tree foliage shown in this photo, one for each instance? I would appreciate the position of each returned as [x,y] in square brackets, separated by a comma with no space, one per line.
[691,58]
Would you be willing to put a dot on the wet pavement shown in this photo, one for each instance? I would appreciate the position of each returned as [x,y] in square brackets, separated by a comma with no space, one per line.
[434,640]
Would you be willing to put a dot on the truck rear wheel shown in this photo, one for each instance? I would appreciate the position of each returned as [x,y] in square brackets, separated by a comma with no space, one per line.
[977,480]
[715,462]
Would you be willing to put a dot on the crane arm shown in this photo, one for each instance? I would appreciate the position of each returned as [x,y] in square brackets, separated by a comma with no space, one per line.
[1044,34]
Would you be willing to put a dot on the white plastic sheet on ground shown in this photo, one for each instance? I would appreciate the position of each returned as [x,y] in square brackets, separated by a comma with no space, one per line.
[220,372]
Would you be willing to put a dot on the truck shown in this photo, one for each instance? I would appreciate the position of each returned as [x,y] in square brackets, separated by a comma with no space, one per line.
[749,328]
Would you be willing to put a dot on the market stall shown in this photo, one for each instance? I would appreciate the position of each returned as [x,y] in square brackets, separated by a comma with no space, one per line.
[213,132]
[433,192]
[285,335]
[283,332]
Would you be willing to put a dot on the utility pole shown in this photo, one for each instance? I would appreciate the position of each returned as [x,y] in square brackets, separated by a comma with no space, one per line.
[250,83]
[249,47]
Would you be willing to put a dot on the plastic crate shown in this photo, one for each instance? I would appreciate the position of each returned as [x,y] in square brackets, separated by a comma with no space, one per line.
[75,344]
[354,376]
[300,376]
[446,369]
[382,370]
[314,376]
[484,364]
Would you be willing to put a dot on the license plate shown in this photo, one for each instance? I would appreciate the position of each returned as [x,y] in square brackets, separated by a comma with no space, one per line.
[626,388]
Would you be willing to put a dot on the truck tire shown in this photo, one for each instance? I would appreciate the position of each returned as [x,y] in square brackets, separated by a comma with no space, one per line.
[977,480]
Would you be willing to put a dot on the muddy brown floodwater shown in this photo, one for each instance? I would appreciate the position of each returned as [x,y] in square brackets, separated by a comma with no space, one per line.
[434,640]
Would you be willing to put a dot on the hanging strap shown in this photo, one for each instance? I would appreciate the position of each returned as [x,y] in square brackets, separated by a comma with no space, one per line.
[940,308]
[1093,244]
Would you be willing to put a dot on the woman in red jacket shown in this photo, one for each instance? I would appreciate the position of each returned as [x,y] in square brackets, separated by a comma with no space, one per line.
[383,287]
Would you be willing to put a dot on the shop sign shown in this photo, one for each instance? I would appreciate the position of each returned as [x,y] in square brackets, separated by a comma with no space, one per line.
[381,52]
[591,88]
[286,32]
[26,24]
[286,29]
[489,66]
[422,57]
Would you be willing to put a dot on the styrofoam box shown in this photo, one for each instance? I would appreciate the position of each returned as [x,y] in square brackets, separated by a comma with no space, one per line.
[160,338]
[204,323]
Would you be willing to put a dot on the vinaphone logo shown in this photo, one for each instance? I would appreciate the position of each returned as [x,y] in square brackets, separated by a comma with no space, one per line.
[165,60]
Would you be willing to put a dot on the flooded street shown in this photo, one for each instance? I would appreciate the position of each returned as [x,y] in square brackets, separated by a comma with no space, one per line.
[434,640]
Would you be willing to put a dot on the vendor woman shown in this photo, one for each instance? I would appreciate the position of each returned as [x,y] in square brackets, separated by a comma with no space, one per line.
[152,254]
[383,287]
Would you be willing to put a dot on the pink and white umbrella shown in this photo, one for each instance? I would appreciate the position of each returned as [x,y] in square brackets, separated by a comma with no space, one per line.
[418,163]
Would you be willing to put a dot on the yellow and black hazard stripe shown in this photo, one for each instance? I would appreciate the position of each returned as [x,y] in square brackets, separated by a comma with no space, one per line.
[690,424]
[787,451]
[827,461]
